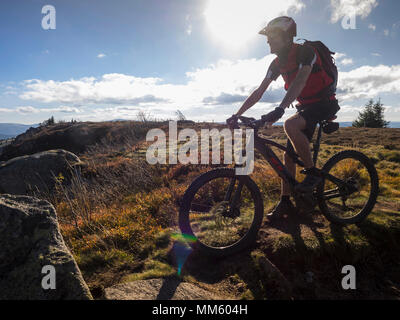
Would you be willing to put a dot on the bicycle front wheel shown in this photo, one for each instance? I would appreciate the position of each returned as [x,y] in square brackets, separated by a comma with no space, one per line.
[350,193]
[221,212]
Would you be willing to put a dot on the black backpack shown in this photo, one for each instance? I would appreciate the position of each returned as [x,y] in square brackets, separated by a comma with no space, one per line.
[328,64]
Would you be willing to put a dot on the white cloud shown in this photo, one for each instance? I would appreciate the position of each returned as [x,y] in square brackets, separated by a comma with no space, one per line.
[10,90]
[239,77]
[101,55]
[368,82]
[125,112]
[389,108]
[225,81]
[386,32]
[27,110]
[348,112]
[376,54]
[210,93]
[346,61]
[220,87]
[110,88]
[346,108]
[341,58]
[339,55]
[344,8]
[372,27]
[63,109]
[6,110]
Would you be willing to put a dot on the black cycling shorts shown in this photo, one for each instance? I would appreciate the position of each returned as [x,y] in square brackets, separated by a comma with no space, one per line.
[314,113]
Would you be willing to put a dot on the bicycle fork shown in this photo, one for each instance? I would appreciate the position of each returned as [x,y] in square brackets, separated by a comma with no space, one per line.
[236,195]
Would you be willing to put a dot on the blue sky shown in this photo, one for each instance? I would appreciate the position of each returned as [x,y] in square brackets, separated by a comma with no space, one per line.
[110,59]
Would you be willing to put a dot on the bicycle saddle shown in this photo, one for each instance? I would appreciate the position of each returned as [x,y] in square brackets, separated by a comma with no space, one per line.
[328,126]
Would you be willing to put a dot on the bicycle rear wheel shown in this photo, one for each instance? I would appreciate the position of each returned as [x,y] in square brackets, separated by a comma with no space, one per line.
[222,212]
[352,199]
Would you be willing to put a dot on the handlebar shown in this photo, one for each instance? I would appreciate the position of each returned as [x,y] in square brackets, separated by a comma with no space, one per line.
[248,122]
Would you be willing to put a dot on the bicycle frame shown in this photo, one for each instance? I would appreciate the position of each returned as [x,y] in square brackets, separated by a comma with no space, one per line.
[263,145]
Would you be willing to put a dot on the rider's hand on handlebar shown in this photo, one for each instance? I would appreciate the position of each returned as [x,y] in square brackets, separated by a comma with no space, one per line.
[273,116]
[232,121]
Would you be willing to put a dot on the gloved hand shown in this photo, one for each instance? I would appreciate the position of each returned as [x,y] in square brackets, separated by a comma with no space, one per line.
[232,121]
[274,115]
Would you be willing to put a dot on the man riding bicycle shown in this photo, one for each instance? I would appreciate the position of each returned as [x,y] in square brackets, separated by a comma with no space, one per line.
[308,82]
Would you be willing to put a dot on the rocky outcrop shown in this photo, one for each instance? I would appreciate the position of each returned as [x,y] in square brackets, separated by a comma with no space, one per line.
[27,134]
[30,240]
[159,289]
[74,137]
[26,174]
[77,137]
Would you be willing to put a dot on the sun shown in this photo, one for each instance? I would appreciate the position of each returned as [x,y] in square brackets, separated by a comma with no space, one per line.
[234,23]
[230,22]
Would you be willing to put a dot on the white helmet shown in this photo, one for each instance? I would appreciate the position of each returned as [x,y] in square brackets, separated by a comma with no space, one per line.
[285,24]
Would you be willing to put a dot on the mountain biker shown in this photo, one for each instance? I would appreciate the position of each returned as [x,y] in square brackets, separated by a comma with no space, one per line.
[306,81]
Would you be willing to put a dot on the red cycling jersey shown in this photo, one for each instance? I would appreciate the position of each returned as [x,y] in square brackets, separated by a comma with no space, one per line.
[301,55]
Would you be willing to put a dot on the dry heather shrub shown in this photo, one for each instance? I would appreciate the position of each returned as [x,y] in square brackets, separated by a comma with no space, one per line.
[108,185]
[129,226]
[266,179]
[122,137]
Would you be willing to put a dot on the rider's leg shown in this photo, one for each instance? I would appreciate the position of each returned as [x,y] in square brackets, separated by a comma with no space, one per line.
[291,167]
[300,133]
[294,127]
[285,206]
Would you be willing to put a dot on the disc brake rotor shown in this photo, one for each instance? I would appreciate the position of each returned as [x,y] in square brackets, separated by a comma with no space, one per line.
[223,214]
[350,191]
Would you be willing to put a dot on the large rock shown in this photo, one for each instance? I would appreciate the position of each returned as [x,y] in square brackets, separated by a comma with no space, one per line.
[29,240]
[26,174]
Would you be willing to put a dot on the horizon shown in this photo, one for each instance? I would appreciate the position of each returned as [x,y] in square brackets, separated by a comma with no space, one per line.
[279,123]
[112,60]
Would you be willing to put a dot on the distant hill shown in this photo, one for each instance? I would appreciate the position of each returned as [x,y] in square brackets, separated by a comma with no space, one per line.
[10,130]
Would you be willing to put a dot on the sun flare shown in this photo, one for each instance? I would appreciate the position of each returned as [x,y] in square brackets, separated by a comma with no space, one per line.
[235,22]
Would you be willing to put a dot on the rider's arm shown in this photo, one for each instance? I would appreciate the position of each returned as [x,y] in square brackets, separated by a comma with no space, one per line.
[272,74]
[296,87]
[255,96]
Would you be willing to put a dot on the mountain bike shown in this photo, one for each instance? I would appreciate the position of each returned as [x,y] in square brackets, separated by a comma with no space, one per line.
[222,212]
